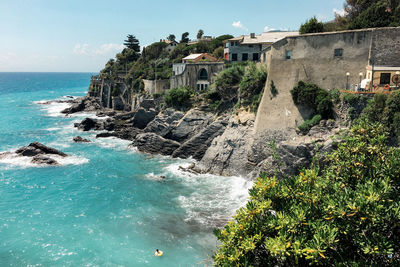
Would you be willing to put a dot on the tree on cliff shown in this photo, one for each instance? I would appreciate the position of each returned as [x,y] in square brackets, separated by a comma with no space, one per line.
[132,43]
[342,211]
[185,37]
[369,14]
[171,38]
[200,34]
[312,26]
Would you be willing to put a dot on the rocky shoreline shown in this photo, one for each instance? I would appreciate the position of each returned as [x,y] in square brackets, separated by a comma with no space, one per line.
[220,144]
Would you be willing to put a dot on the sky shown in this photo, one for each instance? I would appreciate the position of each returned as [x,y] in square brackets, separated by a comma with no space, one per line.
[82,35]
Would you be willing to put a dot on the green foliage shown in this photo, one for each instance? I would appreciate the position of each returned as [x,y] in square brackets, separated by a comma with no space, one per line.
[227,82]
[132,43]
[185,38]
[171,37]
[314,97]
[311,26]
[335,95]
[178,97]
[200,34]
[218,52]
[252,84]
[273,89]
[308,124]
[344,213]
[367,14]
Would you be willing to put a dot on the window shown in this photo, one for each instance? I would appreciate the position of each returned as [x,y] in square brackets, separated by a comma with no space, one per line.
[227,45]
[234,57]
[251,46]
[203,75]
[198,87]
[338,52]
[232,43]
[245,56]
[255,56]
[385,78]
[206,86]
[288,54]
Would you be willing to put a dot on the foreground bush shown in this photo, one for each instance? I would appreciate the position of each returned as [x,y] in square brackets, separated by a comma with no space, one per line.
[178,97]
[346,213]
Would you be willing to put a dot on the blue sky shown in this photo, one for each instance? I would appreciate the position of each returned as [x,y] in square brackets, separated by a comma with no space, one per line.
[81,35]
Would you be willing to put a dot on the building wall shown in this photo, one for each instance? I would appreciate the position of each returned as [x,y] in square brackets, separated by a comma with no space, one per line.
[385,48]
[156,87]
[312,60]
[189,77]
[241,49]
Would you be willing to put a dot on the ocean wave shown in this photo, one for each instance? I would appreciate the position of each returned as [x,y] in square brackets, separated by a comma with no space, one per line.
[213,199]
[113,142]
[13,160]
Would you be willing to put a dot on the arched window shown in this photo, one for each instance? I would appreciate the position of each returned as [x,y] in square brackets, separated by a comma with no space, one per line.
[203,75]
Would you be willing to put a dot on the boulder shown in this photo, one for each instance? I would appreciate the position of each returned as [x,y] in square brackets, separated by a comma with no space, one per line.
[88,124]
[41,159]
[197,145]
[189,125]
[164,122]
[37,148]
[143,117]
[155,144]
[79,139]
[83,104]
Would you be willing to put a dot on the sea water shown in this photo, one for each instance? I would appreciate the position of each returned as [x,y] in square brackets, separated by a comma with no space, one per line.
[105,205]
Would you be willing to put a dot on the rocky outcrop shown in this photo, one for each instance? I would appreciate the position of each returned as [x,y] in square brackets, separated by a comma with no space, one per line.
[80,139]
[89,124]
[197,145]
[189,125]
[143,117]
[164,122]
[83,104]
[155,144]
[37,148]
[228,153]
[41,159]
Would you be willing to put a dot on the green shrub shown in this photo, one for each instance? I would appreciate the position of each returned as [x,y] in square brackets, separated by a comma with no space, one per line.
[345,213]
[311,26]
[308,124]
[178,97]
[252,86]
[314,97]
[335,95]
[227,82]
[349,98]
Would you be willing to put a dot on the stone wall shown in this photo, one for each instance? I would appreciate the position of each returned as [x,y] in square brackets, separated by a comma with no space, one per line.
[385,48]
[312,60]
[156,87]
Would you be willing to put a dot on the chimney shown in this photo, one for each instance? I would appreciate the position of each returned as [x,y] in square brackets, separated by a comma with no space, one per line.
[252,35]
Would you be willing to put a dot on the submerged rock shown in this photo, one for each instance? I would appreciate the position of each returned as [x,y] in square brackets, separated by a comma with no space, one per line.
[37,148]
[79,139]
[41,159]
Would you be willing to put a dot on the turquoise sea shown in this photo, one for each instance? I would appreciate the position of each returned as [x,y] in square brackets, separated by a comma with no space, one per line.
[105,205]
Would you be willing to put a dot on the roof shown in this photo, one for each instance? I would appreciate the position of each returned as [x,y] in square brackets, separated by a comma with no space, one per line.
[267,37]
[192,56]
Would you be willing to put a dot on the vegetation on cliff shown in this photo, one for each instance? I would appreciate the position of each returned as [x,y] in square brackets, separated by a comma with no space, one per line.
[342,211]
[359,14]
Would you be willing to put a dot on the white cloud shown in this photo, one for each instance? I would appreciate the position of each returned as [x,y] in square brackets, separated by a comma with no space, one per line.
[268,29]
[106,48]
[239,25]
[81,49]
[339,12]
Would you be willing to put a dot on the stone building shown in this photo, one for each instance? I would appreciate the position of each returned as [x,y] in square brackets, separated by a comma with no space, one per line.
[196,71]
[249,47]
[331,60]
[156,86]
[171,44]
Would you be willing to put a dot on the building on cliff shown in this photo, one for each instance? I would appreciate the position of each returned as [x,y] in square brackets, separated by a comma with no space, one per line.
[196,71]
[170,44]
[332,60]
[249,47]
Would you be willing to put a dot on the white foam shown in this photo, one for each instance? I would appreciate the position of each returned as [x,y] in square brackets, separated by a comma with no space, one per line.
[14,160]
[54,109]
[215,198]
[113,142]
